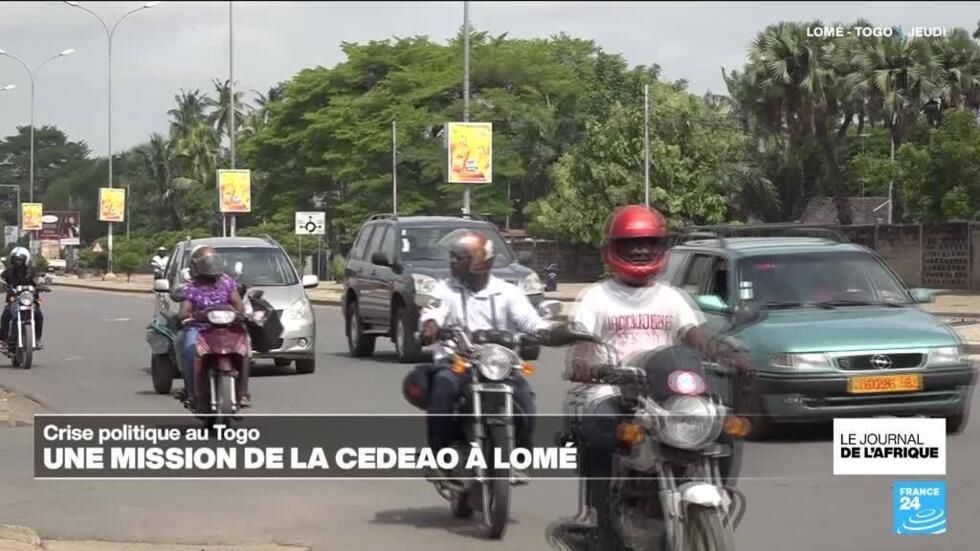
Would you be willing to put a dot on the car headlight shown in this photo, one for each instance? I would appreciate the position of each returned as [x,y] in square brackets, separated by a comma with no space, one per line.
[26,298]
[301,310]
[531,285]
[692,423]
[221,317]
[496,362]
[947,355]
[802,362]
[424,284]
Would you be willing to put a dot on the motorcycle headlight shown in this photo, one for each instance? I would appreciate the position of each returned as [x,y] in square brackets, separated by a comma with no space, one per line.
[692,423]
[424,284]
[221,317]
[496,362]
[26,298]
[802,362]
[531,285]
[947,355]
[301,310]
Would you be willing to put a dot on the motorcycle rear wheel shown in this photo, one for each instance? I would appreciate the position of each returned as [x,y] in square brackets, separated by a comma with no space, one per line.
[705,531]
[496,518]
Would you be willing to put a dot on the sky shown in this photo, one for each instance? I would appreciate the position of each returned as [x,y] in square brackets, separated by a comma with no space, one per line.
[175,45]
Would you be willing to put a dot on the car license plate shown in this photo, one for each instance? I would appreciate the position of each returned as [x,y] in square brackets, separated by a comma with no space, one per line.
[889,383]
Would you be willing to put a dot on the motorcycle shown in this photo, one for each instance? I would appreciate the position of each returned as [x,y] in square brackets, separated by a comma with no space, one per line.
[666,489]
[22,339]
[487,359]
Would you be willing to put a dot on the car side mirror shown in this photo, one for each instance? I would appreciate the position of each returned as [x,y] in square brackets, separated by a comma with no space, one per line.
[161,286]
[549,309]
[310,281]
[525,258]
[922,296]
[379,258]
[712,303]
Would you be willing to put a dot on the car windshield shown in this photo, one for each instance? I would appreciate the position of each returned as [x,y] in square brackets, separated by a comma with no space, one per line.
[834,279]
[260,266]
[422,243]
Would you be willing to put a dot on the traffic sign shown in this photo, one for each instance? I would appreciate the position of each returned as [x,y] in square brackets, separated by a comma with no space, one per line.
[311,223]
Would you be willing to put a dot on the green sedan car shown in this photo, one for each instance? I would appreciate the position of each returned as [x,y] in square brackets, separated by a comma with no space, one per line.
[838,335]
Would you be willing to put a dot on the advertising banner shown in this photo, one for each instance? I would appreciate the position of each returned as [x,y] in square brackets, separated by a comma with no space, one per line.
[112,204]
[10,235]
[31,215]
[235,191]
[61,227]
[470,152]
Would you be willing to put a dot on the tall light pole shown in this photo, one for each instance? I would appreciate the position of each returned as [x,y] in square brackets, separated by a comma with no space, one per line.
[33,75]
[231,93]
[466,88]
[110,33]
[8,88]
[646,143]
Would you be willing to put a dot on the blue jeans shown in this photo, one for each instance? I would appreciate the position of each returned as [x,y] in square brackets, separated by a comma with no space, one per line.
[188,352]
[445,390]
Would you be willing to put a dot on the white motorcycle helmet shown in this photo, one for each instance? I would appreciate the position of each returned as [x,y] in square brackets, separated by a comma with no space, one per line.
[17,253]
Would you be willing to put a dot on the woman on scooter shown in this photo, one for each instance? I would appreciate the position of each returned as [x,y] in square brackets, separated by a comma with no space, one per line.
[209,286]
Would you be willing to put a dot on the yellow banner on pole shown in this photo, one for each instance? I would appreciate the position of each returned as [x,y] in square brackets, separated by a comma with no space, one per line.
[32,215]
[235,190]
[470,149]
[112,204]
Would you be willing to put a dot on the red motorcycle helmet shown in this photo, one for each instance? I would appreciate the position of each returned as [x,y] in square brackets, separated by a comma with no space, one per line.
[635,244]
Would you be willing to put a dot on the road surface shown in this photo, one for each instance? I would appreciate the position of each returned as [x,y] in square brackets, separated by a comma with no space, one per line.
[96,361]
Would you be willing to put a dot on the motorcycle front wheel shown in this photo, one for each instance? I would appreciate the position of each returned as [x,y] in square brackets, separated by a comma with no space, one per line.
[26,352]
[705,531]
[499,511]
[226,395]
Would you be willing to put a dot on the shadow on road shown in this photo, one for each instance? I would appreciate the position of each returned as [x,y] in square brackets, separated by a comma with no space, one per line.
[439,518]
[383,357]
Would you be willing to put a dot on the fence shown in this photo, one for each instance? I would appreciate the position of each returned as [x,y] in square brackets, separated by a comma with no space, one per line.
[938,256]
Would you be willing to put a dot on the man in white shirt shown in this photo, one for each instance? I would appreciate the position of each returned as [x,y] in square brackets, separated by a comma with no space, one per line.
[159,261]
[634,313]
[476,300]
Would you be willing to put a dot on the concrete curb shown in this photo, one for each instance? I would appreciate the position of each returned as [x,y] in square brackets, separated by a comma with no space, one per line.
[19,534]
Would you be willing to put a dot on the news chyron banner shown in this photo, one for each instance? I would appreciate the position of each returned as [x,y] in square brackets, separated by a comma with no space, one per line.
[112,204]
[276,447]
[32,216]
[234,191]
[470,152]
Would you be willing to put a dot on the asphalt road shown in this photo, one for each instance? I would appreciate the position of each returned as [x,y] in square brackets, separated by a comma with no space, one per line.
[96,361]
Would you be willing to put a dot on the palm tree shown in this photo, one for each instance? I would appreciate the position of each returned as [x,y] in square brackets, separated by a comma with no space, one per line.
[218,117]
[200,149]
[189,113]
[959,60]
[158,156]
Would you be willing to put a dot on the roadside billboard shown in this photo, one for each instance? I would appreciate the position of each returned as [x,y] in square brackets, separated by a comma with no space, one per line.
[469,152]
[31,214]
[235,191]
[112,204]
[61,227]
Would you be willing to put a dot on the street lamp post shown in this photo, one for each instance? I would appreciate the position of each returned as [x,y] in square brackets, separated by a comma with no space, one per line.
[33,75]
[110,33]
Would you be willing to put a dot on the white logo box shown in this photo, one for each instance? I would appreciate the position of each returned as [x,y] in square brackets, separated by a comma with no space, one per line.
[929,434]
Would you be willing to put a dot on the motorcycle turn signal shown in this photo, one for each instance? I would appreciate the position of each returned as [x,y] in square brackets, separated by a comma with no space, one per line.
[629,433]
[459,365]
[737,427]
[527,368]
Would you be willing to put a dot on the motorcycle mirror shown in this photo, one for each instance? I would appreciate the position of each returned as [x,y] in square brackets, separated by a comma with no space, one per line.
[424,301]
[549,309]
[745,313]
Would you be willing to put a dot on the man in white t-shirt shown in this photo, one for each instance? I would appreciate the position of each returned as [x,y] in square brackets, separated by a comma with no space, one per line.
[634,313]
[476,300]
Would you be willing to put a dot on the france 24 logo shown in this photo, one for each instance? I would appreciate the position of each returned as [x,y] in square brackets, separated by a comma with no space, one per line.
[919,507]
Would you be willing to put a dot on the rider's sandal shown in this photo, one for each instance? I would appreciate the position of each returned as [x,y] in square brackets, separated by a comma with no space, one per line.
[245,401]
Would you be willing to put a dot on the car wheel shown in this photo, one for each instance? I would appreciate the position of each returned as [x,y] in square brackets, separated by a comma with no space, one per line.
[306,366]
[408,347]
[358,343]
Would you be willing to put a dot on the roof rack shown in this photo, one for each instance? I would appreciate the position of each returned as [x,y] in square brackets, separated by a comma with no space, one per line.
[692,234]
[767,230]
[383,216]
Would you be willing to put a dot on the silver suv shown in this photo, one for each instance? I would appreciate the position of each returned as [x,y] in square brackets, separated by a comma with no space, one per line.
[264,265]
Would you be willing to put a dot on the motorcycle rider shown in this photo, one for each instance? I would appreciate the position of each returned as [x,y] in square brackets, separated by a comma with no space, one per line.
[477,300]
[159,261]
[209,286]
[633,312]
[19,273]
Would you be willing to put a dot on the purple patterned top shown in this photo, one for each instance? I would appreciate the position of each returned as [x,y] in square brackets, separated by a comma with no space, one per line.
[202,296]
